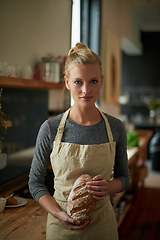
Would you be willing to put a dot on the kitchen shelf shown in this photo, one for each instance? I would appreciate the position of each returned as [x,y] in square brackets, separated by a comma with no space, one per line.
[11,82]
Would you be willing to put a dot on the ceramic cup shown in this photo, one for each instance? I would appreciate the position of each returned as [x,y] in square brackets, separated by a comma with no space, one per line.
[4,69]
[27,72]
[12,71]
[2,204]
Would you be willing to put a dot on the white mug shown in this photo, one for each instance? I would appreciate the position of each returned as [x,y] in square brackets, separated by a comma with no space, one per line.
[27,72]
[2,204]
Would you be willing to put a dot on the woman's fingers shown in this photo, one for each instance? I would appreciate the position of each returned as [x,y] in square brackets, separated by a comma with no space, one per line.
[78,227]
[98,193]
[97,177]
[98,187]
[71,223]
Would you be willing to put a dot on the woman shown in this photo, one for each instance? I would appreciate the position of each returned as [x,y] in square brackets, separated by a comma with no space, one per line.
[82,140]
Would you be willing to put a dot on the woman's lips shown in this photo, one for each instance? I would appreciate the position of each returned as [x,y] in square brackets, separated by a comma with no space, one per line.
[86,98]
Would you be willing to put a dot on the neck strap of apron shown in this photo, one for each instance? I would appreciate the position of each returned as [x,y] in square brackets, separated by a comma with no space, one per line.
[62,124]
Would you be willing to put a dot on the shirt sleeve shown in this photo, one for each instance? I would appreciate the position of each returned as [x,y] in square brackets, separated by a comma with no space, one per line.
[40,162]
[121,169]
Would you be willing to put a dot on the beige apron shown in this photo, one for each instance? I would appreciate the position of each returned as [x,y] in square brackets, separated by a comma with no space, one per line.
[69,161]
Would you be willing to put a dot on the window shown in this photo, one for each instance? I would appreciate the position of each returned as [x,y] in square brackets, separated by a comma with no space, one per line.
[90,24]
[86,23]
[75,22]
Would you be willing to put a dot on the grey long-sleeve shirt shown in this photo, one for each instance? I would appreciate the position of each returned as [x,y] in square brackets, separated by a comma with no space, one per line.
[79,134]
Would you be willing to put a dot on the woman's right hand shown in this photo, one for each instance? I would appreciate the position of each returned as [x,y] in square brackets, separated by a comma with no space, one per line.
[71,223]
[48,203]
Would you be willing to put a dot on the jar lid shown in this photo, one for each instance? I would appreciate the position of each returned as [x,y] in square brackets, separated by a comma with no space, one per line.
[49,59]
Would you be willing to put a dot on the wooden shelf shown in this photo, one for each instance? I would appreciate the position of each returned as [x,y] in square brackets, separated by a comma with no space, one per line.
[11,82]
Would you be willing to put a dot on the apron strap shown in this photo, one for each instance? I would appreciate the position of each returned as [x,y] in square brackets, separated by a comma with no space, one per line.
[110,136]
[62,124]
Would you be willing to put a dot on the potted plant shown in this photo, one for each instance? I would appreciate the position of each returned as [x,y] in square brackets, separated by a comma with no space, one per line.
[153,106]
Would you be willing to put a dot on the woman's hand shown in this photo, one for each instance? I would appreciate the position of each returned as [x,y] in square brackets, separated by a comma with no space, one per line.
[99,187]
[71,223]
[48,203]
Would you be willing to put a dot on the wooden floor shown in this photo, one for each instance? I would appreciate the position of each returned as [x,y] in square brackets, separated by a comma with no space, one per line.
[143,221]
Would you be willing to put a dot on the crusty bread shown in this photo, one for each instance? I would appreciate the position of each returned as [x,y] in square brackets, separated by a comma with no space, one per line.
[11,201]
[81,204]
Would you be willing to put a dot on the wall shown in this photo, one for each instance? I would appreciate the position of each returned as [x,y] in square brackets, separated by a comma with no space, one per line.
[129,28]
[118,17]
[140,78]
[30,29]
[110,17]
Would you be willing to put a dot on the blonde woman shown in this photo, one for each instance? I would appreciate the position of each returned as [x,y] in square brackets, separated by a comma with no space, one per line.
[81,140]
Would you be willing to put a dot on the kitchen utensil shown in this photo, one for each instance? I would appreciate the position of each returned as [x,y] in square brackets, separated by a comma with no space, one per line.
[51,69]
[9,196]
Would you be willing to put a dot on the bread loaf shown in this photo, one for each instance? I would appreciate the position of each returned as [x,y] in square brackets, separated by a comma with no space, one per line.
[80,203]
[11,201]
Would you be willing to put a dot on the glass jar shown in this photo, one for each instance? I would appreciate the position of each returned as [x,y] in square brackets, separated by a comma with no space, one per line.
[51,69]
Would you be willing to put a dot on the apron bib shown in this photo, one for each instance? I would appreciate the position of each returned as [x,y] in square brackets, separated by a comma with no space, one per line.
[69,161]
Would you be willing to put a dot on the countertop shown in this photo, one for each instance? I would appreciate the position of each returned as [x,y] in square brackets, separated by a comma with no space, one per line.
[27,222]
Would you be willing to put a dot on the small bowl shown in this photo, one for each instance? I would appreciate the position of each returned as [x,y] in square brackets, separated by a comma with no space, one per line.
[2,204]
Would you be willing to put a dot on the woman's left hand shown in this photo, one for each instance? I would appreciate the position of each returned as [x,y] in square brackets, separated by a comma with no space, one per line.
[99,187]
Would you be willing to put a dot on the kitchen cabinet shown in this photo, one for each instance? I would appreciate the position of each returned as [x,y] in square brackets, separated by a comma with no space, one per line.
[11,82]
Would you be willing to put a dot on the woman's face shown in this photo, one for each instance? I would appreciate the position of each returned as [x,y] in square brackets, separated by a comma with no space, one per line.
[85,83]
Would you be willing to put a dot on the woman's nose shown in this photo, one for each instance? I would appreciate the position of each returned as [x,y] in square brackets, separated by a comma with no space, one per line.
[85,88]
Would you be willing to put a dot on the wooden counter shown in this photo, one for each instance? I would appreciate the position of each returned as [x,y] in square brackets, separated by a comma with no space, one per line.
[137,156]
[137,160]
[23,223]
[29,221]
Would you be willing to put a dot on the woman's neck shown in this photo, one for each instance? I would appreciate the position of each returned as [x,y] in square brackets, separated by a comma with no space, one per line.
[85,116]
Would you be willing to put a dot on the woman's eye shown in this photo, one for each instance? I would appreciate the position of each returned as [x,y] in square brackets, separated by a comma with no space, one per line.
[94,81]
[78,82]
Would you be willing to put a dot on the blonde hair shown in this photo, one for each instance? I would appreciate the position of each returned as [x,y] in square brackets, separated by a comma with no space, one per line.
[80,54]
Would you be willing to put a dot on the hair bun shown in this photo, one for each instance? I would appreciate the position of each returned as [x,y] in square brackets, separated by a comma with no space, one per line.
[81,54]
[78,46]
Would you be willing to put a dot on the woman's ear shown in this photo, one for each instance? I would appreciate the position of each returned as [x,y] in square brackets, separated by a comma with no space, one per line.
[67,82]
